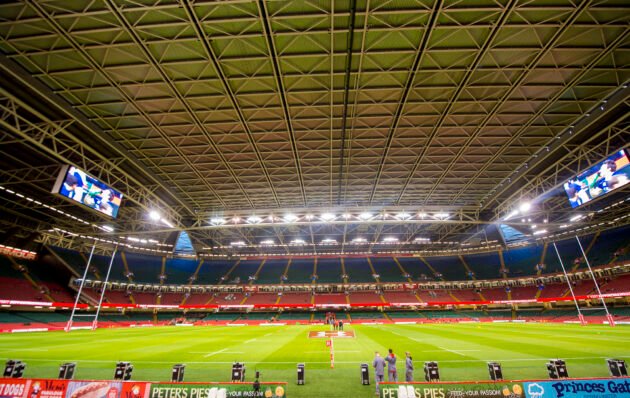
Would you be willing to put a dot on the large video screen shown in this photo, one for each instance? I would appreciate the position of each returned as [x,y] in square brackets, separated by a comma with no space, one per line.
[606,176]
[75,184]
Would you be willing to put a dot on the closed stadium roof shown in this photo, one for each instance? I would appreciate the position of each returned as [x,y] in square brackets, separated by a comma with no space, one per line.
[452,112]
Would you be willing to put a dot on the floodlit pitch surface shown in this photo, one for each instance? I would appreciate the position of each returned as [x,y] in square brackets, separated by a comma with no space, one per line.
[462,351]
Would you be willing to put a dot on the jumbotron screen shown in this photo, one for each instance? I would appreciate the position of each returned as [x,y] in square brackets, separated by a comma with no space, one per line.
[75,184]
[604,177]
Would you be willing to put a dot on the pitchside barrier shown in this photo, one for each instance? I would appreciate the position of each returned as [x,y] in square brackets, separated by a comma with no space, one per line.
[54,388]
[566,388]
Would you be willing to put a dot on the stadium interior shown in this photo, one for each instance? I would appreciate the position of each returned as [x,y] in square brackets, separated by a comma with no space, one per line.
[278,163]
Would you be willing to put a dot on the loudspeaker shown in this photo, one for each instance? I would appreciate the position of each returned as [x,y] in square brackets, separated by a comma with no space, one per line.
[14,369]
[66,370]
[177,374]
[557,369]
[365,374]
[300,374]
[617,367]
[123,371]
[238,371]
[431,371]
[494,369]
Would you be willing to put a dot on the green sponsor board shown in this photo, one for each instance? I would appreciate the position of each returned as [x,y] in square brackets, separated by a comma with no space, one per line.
[451,390]
[217,390]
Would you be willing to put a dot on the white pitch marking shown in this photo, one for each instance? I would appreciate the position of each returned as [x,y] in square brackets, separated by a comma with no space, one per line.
[214,353]
[453,351]
[325,362]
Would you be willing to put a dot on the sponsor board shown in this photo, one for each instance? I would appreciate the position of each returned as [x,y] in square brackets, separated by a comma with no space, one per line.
[330,334]
[506,389]
[565,388]
[609,388]
[53,388]
[217,390]
[13,388]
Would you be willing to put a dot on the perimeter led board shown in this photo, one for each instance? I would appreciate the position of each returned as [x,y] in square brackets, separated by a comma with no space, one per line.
[76,185]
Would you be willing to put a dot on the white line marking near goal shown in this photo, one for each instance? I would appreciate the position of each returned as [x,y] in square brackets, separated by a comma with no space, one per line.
[446,349]
[249,341]
[214,353]
[23,349]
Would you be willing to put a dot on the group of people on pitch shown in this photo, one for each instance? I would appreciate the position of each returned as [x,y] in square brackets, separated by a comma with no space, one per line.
[392,372]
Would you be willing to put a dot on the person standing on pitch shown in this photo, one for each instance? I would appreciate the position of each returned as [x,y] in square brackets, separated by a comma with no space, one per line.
[408,367]
[379,369]
[392,374]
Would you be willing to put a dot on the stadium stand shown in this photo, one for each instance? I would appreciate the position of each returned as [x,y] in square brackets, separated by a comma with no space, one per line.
[272,271]
[329,270]
[301,270]
[358,270]
[449,267]
[484,265]
[387,269]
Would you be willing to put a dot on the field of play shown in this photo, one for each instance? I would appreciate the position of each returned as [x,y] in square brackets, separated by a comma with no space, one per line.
[461,350]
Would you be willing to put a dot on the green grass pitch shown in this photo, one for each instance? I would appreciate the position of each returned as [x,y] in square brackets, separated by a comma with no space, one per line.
[462,351]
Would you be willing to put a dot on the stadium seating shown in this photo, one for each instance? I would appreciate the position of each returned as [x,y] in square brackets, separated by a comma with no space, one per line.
[387,269]
[524,292]
[178,270]
[366,315]
[416,268]
[358,270]
[243,271]
[301,270]
[484,265]
[272,271]
[365,297]
[262,298]
[295,298]
[330,299]
[211,271]
[522,261]
[144,268]
[408,296]
[450,267]
[329,270]
[171,298]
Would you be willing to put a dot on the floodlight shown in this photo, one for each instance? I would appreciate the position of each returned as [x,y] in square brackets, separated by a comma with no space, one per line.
[525,207]
[154,215]
[237,243]
[267,242]
[390,239]
[327,216]
[254,220]
[298,241]
[365,216]
[359,240]
[217,220]
[402,216]
[290,218]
